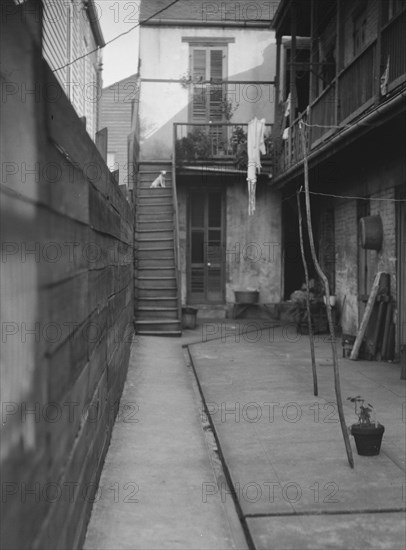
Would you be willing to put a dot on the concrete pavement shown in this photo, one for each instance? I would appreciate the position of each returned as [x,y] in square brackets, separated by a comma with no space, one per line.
[163,485]
[283,447]
[150,492]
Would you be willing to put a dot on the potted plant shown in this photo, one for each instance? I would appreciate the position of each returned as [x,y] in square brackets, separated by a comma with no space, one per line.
[367,432]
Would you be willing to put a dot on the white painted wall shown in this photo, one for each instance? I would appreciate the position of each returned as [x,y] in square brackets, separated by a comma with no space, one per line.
[163,55]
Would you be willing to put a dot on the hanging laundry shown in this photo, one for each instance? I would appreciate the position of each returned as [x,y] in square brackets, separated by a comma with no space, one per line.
[255,146]
[287,107]
[385,79]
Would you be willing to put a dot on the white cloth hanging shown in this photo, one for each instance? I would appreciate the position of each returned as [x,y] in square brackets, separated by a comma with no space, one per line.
[385,78]
[255,146]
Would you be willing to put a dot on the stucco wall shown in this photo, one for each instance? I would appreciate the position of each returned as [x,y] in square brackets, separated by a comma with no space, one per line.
[253,255]
[252,251]
[163,55]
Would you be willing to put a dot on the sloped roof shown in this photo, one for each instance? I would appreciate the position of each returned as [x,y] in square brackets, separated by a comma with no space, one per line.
[201,11]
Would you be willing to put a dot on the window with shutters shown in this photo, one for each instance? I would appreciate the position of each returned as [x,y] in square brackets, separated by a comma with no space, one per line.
[208,71]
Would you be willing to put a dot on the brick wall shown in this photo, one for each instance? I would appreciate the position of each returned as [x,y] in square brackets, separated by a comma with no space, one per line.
[346,264]
[386,257]
[66,302]
[377,180]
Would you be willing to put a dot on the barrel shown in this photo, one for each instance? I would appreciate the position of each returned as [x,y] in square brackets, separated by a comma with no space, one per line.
[371,232]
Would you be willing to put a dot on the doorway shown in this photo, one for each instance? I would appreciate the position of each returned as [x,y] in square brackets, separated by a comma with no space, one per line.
[206,247]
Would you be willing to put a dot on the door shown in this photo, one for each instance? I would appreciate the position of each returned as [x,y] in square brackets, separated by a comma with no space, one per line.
[206,247]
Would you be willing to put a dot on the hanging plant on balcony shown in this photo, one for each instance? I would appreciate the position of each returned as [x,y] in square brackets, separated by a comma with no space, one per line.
[228,107]
[196,145]
[185,80]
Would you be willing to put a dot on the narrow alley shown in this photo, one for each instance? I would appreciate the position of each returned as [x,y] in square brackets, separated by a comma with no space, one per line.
[203,274]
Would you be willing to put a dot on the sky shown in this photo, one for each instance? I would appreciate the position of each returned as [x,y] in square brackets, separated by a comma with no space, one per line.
[120,59]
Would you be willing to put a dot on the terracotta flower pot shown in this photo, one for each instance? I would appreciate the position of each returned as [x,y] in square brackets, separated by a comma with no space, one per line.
[368,439]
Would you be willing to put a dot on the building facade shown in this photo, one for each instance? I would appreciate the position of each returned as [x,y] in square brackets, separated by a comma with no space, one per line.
[341,84]
[72,42]
[117,106]
[206,71]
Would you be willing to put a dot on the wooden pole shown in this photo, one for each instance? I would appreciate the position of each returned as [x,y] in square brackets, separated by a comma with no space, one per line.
[337,385]
[309,319]
[366,317]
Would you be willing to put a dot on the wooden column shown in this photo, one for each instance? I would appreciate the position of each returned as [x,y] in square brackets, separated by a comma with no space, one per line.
[338,65]
[292,90]
[378,65]
[313,41]
[277,76]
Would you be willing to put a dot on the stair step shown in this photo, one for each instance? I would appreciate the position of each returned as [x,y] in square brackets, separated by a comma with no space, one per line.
[152,224]
[153,210]
[149,231]
[155,236]
[159,333]
[156,292]
[164,220]
[148,263]
[156,253]
[158,326]
[147,204]
[159,215]
[155,283]
[153,272]
[149,321]
[157,301]
[154,199]
[159,192]
[144,313]
[145,237]
[152,243]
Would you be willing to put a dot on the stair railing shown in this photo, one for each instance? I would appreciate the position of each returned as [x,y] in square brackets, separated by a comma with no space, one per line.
[176,227]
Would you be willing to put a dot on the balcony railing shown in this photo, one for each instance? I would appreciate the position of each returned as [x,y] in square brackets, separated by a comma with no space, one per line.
[355,90]
[216,142]
[393,47]
[356,83]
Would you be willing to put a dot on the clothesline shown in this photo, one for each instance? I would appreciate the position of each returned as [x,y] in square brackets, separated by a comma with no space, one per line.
[348,197]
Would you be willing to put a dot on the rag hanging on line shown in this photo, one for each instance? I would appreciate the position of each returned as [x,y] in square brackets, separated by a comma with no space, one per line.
[255,146]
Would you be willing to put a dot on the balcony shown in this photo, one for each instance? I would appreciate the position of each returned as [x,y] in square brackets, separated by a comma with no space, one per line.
[216,143]
[354,92]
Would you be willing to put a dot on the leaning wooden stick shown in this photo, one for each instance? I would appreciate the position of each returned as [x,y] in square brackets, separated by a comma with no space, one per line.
[337,385]
[309,320]
[366,317]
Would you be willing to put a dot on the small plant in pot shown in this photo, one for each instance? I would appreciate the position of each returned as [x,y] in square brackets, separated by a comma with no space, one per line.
[367,432]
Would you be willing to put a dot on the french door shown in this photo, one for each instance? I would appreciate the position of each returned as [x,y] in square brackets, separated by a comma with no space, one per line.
[206,247]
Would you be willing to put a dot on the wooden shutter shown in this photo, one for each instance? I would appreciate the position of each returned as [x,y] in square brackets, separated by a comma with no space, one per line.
[216,91]
[199,73]
[207,64]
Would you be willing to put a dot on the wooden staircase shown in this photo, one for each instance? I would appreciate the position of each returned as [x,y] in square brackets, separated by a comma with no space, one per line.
[157,289]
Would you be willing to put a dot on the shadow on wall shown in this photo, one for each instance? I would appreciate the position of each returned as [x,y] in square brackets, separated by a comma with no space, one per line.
[250,100]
